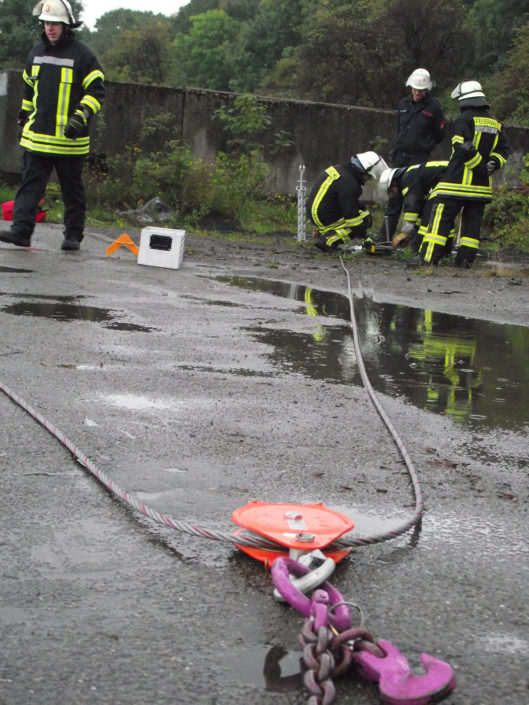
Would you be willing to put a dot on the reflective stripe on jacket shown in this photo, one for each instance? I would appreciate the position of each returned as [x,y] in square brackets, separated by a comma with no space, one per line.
[60,79]
[335,195]
[477,139]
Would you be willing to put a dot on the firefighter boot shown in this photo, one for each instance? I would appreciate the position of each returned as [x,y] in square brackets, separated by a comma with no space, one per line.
[70,242]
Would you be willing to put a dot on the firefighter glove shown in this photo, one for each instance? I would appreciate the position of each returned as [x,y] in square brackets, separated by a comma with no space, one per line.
[491,166]
[76,125]
[367,219]
[401,239]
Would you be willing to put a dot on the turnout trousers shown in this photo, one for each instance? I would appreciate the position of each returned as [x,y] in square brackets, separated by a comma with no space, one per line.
[36,172]
[442,220]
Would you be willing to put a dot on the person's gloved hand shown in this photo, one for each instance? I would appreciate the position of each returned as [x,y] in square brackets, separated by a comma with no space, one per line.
[492,165]
[367,219]
[76,125]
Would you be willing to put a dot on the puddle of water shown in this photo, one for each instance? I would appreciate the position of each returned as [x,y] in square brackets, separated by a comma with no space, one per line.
[471,370]
[274,668]
[66,309]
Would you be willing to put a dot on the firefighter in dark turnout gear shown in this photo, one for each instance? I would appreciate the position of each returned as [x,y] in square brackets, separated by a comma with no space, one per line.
[413,184]
[478,149]
[63,90]
[420,127]
[333,203]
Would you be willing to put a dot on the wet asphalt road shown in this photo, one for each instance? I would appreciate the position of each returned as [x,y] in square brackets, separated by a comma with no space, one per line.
[150,372]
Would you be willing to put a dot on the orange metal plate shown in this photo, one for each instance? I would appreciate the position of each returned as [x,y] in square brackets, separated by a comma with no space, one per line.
[283,522]
[268,557]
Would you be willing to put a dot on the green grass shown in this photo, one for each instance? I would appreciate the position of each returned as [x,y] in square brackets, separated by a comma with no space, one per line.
[505,226]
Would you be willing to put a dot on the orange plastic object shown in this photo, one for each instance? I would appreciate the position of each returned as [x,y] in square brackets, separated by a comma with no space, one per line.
[123,240]
[304,527]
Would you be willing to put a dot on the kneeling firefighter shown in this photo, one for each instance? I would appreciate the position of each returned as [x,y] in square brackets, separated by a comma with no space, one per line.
[333,204]
[413,184]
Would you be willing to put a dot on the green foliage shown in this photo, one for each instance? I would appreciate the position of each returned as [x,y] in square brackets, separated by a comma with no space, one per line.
[205,56]
[176,177]
[244,122]
[361,52]
[143,53]
[494,23]
[272,32]
[506,219]
[509,88]
[19,31]
[237,184]
[111,25]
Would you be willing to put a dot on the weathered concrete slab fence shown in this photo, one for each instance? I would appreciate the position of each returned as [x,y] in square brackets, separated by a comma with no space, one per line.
[320,133]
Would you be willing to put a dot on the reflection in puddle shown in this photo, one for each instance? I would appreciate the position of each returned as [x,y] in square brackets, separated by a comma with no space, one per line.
[276,668]
[467,369]
[67,309]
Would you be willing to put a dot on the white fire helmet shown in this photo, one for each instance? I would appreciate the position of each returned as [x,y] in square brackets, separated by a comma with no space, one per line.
[369,163]
[467,89]
[420,80]
[386,178]
[55,11]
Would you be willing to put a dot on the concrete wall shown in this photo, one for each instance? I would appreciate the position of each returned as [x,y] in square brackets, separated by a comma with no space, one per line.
[321,133]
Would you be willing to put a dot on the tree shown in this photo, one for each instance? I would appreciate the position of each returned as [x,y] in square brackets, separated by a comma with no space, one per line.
[274,30]
[144,54]
[509,88]
[205,55]
[494,23]
[241,10]
[361,52]
[113,23]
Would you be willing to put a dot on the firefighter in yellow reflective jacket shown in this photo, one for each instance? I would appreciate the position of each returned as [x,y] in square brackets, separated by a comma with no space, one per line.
[63,90]
[333,204]
[413,185]
[479,148]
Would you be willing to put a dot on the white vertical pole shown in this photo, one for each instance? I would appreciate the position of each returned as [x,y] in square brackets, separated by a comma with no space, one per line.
[300,188]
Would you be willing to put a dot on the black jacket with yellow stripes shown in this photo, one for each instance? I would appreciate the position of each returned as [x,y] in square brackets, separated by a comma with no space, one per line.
[335,195]
[477,139]
[59,79]
[415,184]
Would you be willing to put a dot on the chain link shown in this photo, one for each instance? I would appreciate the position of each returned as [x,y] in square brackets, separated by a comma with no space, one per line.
[319,662]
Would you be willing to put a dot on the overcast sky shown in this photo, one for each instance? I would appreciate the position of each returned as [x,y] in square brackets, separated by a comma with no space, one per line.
[96,8]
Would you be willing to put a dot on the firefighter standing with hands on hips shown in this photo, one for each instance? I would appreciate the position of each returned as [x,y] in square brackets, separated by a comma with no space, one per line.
[63,90]
[333,203]
[479,148]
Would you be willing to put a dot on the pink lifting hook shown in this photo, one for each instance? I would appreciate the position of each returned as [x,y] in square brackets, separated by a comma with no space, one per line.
[397,684]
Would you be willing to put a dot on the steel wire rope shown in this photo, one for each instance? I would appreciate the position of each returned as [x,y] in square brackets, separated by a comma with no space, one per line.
[246,538]
[419,502]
